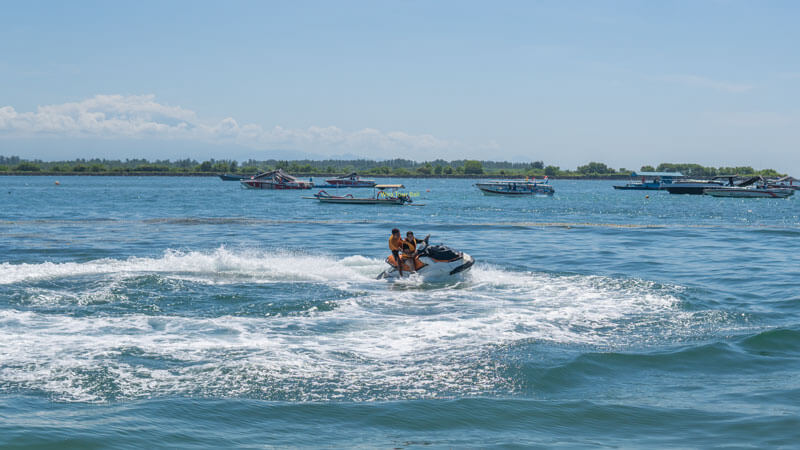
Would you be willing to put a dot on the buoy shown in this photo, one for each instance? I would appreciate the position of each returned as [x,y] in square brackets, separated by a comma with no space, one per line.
[427,190]
[57,183]
[646,196]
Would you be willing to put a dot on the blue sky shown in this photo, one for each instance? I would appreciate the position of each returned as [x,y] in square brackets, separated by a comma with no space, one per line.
[627,83]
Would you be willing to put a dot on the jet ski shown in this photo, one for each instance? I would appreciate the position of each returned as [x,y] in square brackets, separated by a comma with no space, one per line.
[431,262]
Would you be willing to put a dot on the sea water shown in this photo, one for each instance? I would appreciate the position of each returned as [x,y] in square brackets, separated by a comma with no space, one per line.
[182,312]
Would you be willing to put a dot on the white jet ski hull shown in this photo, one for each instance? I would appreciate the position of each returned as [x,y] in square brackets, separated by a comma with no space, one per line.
[433,270]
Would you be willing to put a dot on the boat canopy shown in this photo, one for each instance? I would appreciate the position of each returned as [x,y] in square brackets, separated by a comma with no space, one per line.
[520,181]
[750,181]
[389,186]
[787,178]
[657,174]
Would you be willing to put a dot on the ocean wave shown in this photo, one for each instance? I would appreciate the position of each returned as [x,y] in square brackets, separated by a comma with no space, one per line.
[375,341]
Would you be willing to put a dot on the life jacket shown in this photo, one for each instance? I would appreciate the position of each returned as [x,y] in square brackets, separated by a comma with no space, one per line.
[395,243]
[409,247]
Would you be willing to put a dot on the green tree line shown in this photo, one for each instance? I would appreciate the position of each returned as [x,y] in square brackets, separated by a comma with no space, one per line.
[395,167]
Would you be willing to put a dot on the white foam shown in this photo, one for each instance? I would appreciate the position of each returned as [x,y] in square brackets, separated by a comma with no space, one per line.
[261,266]
[388,341]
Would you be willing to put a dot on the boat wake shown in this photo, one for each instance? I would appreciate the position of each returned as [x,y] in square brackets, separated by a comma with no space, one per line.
[219,266]
[289,326]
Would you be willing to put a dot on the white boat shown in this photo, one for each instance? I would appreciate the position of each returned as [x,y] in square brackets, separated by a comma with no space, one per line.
[352,180]
[433,263]
[516,187]
[277,179]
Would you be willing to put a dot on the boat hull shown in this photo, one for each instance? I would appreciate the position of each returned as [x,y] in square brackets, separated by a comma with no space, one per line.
[433,270]
[335,186]
[539,190]
[362,201]
[748,193]
[641,187]
[687,190]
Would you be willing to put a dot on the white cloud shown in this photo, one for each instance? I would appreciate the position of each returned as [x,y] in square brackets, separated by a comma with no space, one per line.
[703,82]
[141,116]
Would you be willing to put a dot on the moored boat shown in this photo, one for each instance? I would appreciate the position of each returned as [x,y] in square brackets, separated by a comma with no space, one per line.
[754,187]
[650,181]
[384,194]
[352,180]
[516,187]
[231,177]
[276,179]
[696,187]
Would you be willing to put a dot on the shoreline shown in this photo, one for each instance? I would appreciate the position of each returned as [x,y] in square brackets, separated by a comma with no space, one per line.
[302,175]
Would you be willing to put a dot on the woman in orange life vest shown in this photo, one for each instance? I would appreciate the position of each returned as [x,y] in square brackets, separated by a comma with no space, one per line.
[410,250]
[396,245]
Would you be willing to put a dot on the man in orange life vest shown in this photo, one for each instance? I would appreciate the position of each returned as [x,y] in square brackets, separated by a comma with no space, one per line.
[396,245]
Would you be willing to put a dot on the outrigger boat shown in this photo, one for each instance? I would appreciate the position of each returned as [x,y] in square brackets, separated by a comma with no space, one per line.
[352,180]
[277,179]
[515,187]
[435,262]
[384,194]
[651,181]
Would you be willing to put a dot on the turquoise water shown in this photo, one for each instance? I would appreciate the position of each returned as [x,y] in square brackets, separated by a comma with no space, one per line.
[181,312]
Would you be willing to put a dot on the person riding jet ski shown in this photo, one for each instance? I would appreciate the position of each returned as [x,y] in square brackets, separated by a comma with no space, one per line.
[430,262]
[396,246]
[409,256]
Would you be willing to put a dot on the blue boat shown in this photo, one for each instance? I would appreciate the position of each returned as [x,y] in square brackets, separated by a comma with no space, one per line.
[651,181]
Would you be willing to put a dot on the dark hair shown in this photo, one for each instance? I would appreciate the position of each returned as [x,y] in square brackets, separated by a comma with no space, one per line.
[409,232]
[395,230]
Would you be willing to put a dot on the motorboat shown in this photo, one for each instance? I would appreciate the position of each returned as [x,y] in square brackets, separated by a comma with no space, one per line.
[755,187]
[434,262]
[696,187]
[516,187]
[650,181]
[276,179]
[352,180]
[230,177]
[383,194]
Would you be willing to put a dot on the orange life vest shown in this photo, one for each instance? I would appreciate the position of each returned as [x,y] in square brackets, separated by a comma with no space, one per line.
[395,243]
[409,247]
